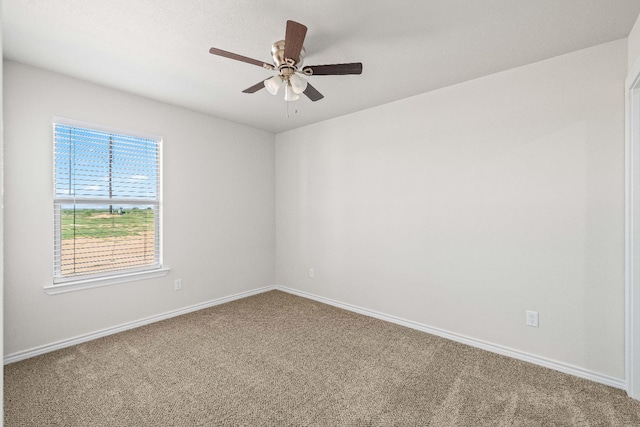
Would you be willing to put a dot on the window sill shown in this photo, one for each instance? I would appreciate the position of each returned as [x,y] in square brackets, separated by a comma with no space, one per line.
[79,285]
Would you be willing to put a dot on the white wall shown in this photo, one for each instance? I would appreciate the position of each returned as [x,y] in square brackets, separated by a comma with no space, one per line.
[464,207]
[634,45]
[1,233]
[218,208]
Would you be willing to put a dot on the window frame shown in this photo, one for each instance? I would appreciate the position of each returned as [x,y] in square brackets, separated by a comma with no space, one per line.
[157,269]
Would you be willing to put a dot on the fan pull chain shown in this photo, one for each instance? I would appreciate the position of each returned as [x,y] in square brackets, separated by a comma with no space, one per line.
[295,111]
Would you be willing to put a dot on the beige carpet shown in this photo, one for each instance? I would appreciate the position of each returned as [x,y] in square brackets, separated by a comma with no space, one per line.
[280,360]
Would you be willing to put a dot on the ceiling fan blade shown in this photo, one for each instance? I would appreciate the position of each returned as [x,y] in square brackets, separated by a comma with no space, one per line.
[312,93]
[237,57]
[293,40]
[256,87]
[333,69]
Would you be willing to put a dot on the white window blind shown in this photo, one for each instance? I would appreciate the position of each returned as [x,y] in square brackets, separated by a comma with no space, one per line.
[106,203]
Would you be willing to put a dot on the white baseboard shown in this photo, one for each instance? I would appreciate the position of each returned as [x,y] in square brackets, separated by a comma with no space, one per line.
[36,351]
[484,345]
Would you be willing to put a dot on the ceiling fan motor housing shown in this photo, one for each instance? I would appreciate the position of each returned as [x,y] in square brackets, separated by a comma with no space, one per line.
[277,53]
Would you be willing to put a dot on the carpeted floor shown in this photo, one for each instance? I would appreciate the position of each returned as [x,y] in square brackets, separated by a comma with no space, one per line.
[279,360]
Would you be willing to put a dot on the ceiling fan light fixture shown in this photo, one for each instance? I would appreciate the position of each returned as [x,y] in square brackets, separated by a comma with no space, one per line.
[273,84]
[298,84]
[289,94]
[288,55]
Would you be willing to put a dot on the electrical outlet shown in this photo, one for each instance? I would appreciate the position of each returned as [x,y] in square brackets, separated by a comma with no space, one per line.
[312,273]
[532,318]
[177,285]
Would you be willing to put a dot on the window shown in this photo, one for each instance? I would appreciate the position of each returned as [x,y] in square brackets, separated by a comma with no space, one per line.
[106,203]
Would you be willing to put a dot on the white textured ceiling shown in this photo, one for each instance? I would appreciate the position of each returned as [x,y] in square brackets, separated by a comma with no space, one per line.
[159,48]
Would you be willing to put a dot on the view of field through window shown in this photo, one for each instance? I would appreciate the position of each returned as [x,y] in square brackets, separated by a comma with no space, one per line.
[106,203]
[97,239]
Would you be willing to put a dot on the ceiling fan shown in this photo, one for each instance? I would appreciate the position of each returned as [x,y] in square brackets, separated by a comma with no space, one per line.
[288,55]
